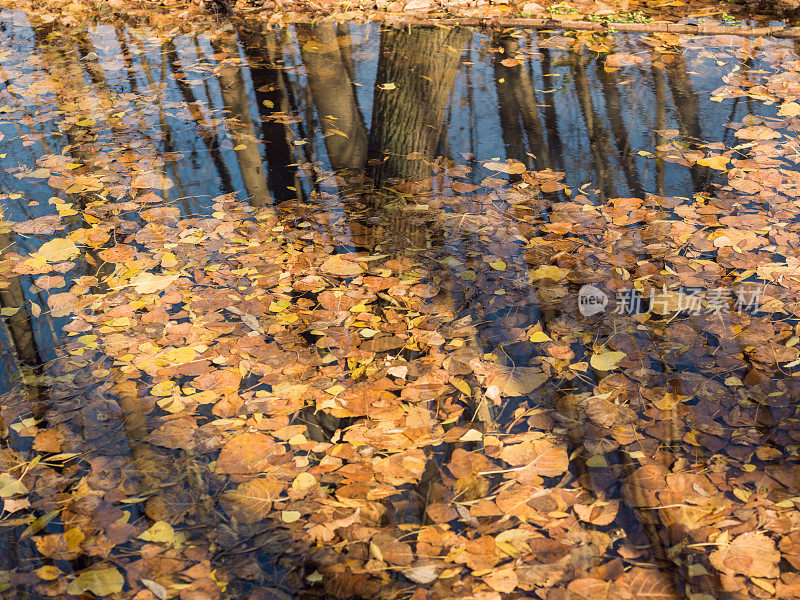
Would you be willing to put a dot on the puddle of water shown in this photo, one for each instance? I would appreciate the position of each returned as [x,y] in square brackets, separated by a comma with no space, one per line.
[468,185]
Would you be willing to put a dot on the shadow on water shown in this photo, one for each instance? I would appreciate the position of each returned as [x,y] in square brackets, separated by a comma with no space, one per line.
[372,142]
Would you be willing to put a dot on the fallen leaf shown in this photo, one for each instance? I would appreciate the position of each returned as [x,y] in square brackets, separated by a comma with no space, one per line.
[339,267]
[606,360]
[752,554]
[160,532]
[101,582]
[152,179]
[57,250]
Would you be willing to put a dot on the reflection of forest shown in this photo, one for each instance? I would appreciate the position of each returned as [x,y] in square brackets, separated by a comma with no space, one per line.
[412,119]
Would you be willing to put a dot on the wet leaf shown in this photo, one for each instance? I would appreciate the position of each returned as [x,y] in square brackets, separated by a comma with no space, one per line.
[11,486]
[757,132]
[153,179]
[149,283]
[339,267]
[101,582]
[752,554]
[606,360]
[251,501]
[548,272]
[720,163]
[160,532]
[511,166]
[58,250]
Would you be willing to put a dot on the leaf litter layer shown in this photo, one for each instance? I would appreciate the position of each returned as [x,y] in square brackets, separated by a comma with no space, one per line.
[383,416]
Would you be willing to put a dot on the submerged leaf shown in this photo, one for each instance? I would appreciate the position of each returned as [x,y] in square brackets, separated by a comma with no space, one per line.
[101,582]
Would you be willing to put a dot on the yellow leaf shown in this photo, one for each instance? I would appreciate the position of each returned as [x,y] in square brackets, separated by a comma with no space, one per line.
[160,533]
[549,272]
[540,336]
[57,250]
[461,385]
[718,162]
[596,461]
[180,356]
[498,265]
[10,485]
[8,311]
[101,582]
[789,109]
[290,516]
[511,166]
[303,482]
[468,275]
[150,283]
[74,538]
[48,572]
[473,435]
[152,179]
[606,360]
[670,401]
[163,388]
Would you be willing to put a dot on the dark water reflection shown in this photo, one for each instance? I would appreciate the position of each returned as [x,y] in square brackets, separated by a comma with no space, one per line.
[324,113]
[361,100]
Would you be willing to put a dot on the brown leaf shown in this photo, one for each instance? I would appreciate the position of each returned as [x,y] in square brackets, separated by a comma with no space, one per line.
[339,267]
[541,456]
[589,588]
[515,381]
[49,282]
[383,344]
[598,513]
[757,132]
[117,254]
[622,59]
[247,453]
[252,500]
[651,584]
[752,554]
[152,179]
[46,225]
[175,434]
[503,580]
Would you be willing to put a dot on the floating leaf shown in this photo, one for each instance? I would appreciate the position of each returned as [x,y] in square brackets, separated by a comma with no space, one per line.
[150,283]
[251,501]
[57,250]
[290,516]
[789,109]
[152,179]
[339,267]
[606,360]
[10,486]
[720,163]
[303,482]
[757,132]
[548,272]
[422,573]
[752,554]
[511,166]
[101,582]
[160,532]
